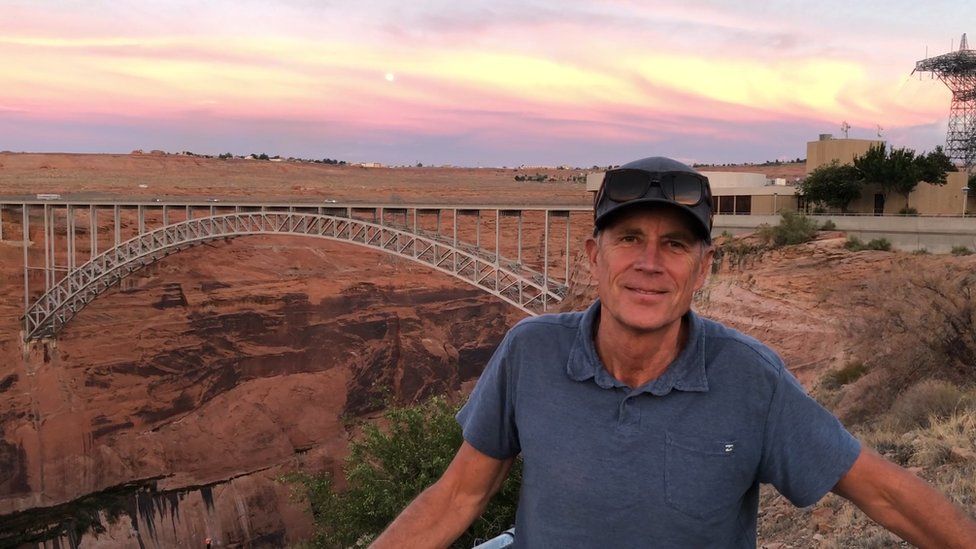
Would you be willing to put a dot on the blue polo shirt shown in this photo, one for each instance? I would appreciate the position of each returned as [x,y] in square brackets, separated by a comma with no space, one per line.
[676,462]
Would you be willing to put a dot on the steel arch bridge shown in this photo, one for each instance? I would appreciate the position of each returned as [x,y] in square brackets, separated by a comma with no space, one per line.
[385,228]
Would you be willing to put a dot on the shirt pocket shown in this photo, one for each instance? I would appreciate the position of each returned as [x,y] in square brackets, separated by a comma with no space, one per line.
[700,475]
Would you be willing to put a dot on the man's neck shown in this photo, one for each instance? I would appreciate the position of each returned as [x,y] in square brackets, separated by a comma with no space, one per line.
[635,358]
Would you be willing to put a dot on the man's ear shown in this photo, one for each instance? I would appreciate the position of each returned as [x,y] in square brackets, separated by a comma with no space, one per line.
[592,249]
[705,268]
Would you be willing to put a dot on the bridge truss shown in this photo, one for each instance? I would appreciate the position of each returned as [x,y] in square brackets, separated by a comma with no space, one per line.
[456,240]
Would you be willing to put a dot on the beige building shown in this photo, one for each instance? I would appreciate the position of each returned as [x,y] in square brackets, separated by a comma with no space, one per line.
[926,199]
[745,193]
[736,193]
[827,149]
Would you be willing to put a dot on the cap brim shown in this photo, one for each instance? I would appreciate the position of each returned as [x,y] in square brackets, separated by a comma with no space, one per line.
[700,228]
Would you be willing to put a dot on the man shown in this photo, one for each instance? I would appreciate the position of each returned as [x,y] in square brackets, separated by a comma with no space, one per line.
[642,424]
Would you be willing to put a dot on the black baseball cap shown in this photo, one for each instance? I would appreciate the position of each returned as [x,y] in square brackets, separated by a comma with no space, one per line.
[655,180]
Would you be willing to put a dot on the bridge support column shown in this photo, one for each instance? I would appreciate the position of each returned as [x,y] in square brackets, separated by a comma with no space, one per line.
[118,225]
[545,260]
[92,232]
[567,248]
[498,251]
[47,247]
[26,224]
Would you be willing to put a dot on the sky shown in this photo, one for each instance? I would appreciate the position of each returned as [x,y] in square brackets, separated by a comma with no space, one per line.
[476,83]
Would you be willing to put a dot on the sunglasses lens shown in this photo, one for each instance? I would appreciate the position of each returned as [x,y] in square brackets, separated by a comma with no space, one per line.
[625,186]
[683,188]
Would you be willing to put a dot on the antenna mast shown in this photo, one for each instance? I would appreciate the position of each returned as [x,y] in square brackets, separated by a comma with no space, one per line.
[957,69]
[845,127]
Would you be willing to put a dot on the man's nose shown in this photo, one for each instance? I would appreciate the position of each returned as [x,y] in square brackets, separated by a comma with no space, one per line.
[649,258]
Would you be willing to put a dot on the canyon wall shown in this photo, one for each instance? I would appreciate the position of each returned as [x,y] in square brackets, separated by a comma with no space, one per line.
[181,396]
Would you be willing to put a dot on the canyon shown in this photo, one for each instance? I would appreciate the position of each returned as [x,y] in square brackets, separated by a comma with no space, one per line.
[168,409]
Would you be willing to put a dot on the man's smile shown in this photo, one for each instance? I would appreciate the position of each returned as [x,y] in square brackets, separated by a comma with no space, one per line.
[645,291]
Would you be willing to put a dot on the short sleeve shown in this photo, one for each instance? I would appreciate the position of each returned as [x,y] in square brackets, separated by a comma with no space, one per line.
[488,418]
[806,450]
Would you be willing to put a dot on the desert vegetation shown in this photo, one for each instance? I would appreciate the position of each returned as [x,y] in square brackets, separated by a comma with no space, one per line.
[908,393]
[386,469]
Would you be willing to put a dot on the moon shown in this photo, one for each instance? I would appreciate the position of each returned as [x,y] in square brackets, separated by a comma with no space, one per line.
[390,77]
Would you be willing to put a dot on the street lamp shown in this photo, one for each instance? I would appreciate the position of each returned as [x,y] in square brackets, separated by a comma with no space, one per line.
[775,195]
[965,196]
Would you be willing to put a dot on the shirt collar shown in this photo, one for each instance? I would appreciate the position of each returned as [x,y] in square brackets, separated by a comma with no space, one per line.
[685,373]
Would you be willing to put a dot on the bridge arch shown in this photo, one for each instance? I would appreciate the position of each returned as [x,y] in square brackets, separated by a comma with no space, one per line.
[508,280]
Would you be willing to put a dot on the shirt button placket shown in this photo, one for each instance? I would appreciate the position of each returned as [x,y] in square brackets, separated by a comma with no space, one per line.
[628,415]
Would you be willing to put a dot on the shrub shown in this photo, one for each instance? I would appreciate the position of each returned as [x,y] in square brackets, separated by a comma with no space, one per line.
[793,228]
[920,251]
[849,373]
[881,244]
[855,244]
[908,210]
[924,401]
[960,250]
[736,252]
[913,323]
[387,469]
[828,225]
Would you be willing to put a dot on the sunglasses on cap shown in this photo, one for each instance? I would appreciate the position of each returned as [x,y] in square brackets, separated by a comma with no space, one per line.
[624,185]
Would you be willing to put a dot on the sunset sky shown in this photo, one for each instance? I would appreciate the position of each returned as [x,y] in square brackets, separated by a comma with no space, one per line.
[473,83]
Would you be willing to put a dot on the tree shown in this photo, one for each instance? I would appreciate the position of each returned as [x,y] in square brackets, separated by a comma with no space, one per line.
[873,166]
[900,170]
[934,167]
[387,468]
[834,185]
[904,172]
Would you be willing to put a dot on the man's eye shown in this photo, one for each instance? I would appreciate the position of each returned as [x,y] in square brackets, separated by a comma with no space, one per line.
[677,245]
[628,238]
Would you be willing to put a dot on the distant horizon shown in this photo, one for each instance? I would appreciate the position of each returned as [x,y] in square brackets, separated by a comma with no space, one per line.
[502,83]
[284,157]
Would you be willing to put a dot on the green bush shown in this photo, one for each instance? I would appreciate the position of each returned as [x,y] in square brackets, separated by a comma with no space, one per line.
[855,244]
[829,225]
[387,468]
[793,228]
[908,210]
[960,250]
[920,251]
[849,373]
[881,244]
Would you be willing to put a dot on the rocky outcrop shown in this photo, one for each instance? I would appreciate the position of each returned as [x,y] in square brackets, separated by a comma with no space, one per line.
[222,367]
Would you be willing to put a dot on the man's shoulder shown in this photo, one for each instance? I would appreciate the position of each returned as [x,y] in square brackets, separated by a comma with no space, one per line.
[727,343]
[551,325]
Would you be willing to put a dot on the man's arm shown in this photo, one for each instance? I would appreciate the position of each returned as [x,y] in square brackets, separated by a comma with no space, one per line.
[905,504]
[442,512]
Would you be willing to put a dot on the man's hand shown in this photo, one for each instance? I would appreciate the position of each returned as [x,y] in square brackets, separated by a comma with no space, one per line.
[442,512]
[905,504]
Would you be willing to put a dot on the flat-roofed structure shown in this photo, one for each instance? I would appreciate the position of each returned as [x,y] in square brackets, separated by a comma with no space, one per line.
[749,193]
[827,149]
[949,199]
[736,193]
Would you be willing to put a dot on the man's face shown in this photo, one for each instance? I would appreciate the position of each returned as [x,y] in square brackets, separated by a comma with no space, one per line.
[648,264]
